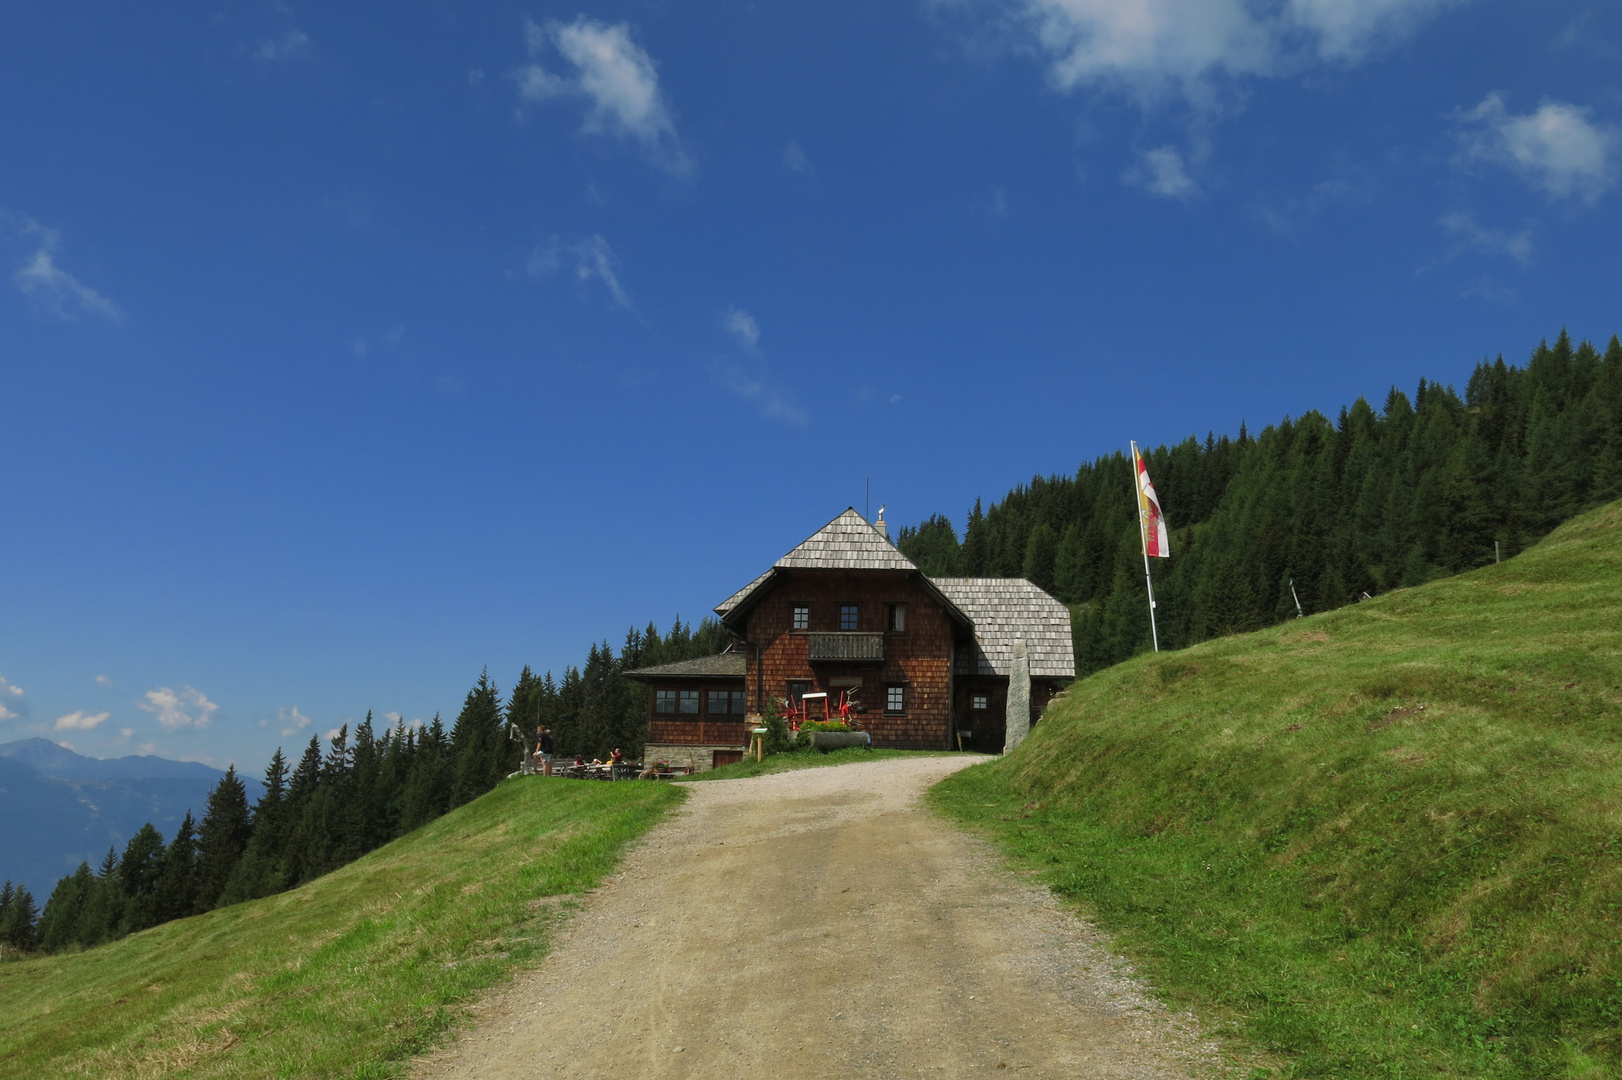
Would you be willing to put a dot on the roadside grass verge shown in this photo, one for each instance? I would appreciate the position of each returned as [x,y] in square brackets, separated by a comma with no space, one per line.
[805,759]
[347,976]
[1385,841]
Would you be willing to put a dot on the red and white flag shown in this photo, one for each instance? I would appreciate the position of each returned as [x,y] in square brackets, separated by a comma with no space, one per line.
[1156,541]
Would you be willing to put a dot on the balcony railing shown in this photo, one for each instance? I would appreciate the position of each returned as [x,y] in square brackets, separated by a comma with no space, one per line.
[847,646]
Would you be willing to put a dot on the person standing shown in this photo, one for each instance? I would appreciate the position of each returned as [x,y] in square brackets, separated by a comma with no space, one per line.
[547,747]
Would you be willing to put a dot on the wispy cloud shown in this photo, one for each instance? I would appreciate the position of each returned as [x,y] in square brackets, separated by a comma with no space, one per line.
[52,288]
[1472,236]
[754,384]
[1158,50]
[616,76]
[183,708]
[80,721]
[794,159]
[743,328]
[591,259]
[10,692]
[1556,149]
[290,721]
[1161,172]
[295,44]
[104,682]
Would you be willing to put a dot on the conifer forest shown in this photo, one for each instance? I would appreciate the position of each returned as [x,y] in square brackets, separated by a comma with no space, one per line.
[1308,508]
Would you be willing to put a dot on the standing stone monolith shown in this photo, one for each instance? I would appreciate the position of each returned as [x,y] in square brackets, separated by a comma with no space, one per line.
[1018,723]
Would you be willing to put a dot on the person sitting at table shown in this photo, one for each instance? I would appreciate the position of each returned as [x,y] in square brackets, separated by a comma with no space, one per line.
[579,762]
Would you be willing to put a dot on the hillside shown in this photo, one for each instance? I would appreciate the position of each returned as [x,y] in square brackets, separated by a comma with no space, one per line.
[342,976]
[75,807]
[1382,841]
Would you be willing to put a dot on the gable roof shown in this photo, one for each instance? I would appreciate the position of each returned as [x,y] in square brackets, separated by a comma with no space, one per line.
[848,542]
[1003,609]
[727,664]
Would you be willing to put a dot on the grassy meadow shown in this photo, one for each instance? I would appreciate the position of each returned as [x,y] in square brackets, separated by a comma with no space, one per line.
[1385,841]
[347,976]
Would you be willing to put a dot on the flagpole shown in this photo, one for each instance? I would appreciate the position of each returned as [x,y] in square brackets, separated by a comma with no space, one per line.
[1143,545]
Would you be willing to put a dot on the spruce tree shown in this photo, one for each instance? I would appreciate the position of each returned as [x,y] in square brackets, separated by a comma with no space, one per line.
[221,838]
[177,882]
[475,747]
[139,873]
[18,928]
[59,924]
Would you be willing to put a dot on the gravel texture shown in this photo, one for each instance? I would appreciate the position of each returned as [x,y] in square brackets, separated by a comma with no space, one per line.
[822,923]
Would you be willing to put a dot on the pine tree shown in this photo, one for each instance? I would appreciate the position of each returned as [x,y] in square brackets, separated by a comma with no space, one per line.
[221,838]
[177,882]
[139,872]
[59,925]
[474,742]
[19,928]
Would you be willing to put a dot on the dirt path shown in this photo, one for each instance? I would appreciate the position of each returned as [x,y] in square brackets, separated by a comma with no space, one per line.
[821,923]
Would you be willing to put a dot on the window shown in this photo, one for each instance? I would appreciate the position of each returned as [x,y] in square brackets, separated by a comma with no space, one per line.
[895,698]
[664,702]
[979,702]
[726,702]
[898,617]
[796,691]
[847,616]
[689,702]
[802,616]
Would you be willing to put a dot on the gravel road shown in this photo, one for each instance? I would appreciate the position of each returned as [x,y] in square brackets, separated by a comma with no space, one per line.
[822,923]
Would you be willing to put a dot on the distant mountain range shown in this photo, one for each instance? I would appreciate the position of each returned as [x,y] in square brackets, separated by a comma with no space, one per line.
[60,808]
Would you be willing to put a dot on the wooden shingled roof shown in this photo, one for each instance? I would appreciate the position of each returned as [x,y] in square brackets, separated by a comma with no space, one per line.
[848,542]
[999,609]
[721,665]
[1003,609]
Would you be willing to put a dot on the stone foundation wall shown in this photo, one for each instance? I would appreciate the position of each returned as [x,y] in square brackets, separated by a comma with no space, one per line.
[697,758]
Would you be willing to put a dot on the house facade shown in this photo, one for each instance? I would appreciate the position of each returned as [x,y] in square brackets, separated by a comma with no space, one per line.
[924,662]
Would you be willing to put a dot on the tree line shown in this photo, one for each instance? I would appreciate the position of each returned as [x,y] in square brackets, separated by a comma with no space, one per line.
[1309,510]
[337,804]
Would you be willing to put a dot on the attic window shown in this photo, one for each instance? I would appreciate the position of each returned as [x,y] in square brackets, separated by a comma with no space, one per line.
[979,702]
[802,616]
[898,618]
[847,617]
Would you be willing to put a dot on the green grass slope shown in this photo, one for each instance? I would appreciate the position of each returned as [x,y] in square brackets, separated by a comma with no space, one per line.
[343,977]
[1382,841]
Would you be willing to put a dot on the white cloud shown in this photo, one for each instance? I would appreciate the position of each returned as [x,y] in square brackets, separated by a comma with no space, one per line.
[592,258]
[1156,49]
[755,385]
[53,288]
[293,45]
[10,689]
[1162,172]
[1517,245]
[80,721]
[615,74]
[794,158]
[743,327]
[1556,149]
[291,720]
[104,682]
[1348,29]
[186,707]
[126,733]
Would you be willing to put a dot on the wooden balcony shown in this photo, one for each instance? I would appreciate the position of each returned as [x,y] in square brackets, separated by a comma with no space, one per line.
[699,732]
[845,646]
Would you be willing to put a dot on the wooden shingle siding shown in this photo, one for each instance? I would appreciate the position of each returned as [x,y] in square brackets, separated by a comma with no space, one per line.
[918,657]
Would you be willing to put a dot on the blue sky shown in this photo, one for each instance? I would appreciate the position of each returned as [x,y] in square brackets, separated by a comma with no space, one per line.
[346,350]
